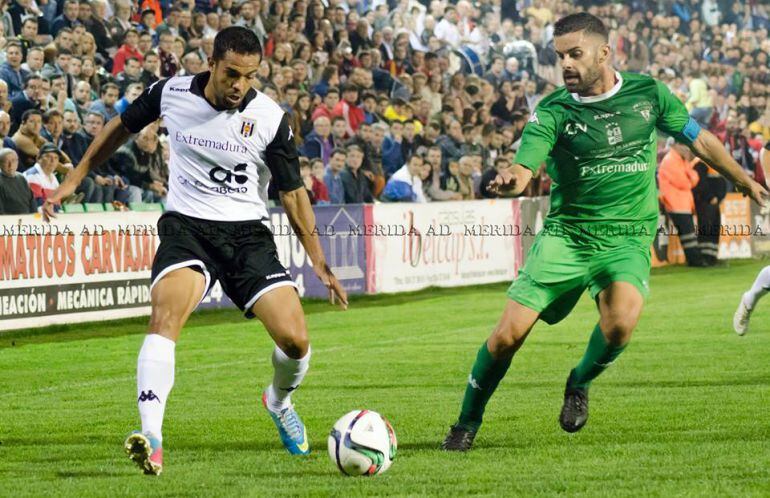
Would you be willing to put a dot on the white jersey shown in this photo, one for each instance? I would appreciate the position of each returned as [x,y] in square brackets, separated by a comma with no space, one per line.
[221,160]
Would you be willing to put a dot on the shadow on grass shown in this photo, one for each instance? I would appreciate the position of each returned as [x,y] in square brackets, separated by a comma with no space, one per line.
[203,318]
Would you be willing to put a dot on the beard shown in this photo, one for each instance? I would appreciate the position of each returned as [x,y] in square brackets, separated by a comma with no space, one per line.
[581,83]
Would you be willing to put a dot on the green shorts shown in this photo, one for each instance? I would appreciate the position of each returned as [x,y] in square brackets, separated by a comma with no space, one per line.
[558,270]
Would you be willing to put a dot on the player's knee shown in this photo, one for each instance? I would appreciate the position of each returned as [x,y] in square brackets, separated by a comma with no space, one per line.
[506,339]
[294,341]
[618,329]
[165,321]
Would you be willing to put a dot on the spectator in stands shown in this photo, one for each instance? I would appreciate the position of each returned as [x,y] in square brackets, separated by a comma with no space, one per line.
[460,177]
[319,142]
[355,183]
[126,51]
[451,144]
[333,178]
[306,173]
[150,69]
[433,182]
[349,110]
[320,192]
[329,102]
[132,93]
[102,175]
[406,183]
[489,175]
[5,129]
[53,128]
[35,60]
[72,143]
[329,79]
[28,35]
[699,104]
[15,195]
[11,71]
[81,99]
[131,73]
[41,178]
[136,161]
[392,154]
[27,139]
[106,104]
[68,18]
[5,102]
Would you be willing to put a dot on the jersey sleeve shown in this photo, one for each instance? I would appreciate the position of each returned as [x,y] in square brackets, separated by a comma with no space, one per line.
[538,139]
[145,109]
[673,118]
[282,159]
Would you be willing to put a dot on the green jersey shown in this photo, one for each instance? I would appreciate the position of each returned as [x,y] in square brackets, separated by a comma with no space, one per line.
[601,153]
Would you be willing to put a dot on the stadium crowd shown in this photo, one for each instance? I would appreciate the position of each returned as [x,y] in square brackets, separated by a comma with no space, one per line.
[398,100]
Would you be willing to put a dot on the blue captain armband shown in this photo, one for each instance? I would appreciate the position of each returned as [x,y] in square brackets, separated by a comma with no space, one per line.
[690,131]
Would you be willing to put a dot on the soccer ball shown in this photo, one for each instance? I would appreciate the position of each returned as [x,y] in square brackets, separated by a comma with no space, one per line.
[362,443]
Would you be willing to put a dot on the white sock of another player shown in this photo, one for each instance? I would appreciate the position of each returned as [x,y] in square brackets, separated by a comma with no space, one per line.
[287,377]
[759,289]
[154,380]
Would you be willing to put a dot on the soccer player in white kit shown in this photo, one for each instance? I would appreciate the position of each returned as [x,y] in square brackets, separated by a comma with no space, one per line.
[227,141]
[761,284]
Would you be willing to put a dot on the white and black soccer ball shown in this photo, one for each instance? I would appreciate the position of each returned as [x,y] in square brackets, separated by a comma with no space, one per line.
[362,443]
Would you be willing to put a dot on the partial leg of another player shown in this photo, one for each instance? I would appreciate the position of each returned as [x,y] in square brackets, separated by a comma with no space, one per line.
[281,313]
[492,362]
[620,305]
[749,300]
[173,299]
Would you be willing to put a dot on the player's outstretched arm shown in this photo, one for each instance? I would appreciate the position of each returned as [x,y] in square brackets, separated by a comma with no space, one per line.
[708,147]
[104,145]
[511,182]
[300,213]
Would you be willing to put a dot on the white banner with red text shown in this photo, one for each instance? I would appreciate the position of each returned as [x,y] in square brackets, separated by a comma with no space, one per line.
[444,244]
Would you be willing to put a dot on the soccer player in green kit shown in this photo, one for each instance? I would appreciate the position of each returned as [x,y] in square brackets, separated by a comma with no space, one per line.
[598,137]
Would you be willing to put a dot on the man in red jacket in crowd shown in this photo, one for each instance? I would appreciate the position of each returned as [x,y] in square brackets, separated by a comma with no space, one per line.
[349,109]
[126,51]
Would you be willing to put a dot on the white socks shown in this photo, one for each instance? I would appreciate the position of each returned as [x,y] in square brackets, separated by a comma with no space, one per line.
[287,377]
[760,288]
[154,379]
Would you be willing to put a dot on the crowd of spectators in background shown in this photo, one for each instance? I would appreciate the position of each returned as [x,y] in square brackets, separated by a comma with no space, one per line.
[397,100]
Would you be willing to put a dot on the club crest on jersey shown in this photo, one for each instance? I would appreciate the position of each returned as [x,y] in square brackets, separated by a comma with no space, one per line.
[247,128]
[643,108]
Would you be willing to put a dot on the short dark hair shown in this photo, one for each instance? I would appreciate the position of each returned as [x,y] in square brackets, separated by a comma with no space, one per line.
[355,147]
[109,86]
[333,89]
[64,51]
[51,114]
[238,39]
[582,21]
[32,77]
[30,112]
[31,19]
[339,150]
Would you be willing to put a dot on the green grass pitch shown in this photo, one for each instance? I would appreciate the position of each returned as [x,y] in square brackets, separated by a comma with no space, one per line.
[684,412]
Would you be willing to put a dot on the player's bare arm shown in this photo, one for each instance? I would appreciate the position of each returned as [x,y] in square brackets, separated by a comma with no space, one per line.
[712,151]
[511,181]
[300,212]
[104,145]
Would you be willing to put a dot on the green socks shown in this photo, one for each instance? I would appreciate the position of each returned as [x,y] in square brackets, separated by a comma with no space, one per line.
[486,374]
[598,356]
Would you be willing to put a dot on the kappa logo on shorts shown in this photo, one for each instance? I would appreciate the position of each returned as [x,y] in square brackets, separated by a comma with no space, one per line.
[275,275]
[247,128]
[149,396]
